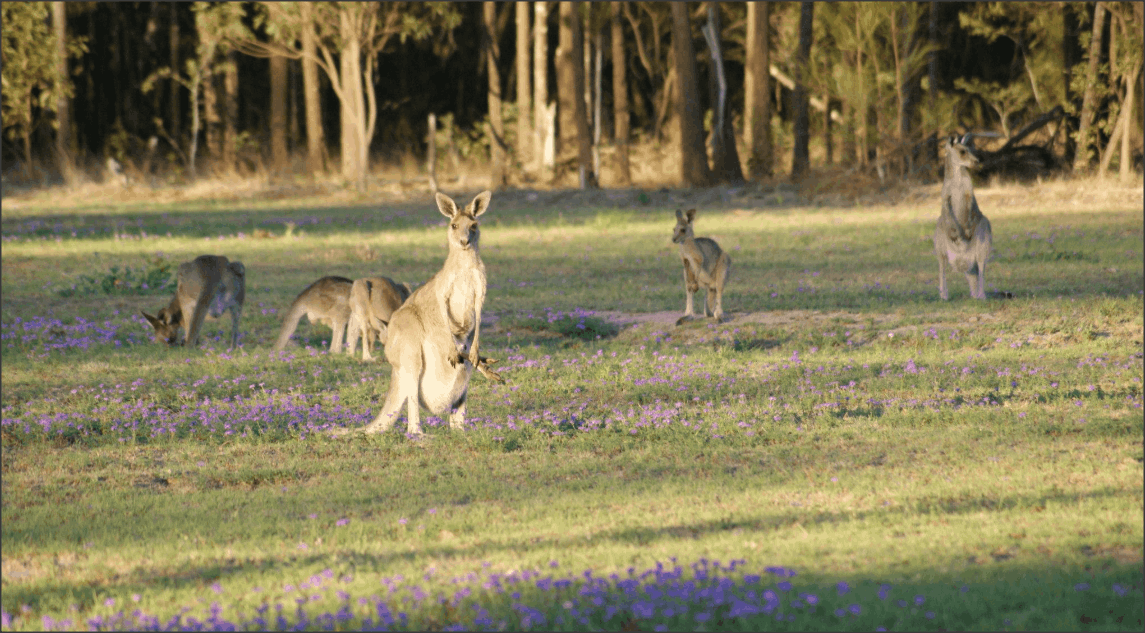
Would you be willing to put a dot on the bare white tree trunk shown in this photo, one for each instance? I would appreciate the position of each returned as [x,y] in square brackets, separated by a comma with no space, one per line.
[541,125]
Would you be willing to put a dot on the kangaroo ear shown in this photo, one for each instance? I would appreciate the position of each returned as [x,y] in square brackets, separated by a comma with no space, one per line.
[679,215]
[951,140]
[155,322]
[480,204]
[446,205]
[237,268]
[965,138]
[690,214]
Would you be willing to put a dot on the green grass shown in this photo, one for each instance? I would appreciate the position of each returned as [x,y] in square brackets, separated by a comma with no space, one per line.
[846,423]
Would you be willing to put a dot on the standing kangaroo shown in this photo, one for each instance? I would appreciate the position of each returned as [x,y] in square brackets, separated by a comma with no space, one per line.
[372,304]
[963,236]
[428,335]
[705,264]
[208,284]
[325,301]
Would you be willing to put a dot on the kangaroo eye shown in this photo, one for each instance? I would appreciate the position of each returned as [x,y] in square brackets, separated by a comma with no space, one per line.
[454,225]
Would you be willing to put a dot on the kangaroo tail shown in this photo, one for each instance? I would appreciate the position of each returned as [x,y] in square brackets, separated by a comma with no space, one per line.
[289,324]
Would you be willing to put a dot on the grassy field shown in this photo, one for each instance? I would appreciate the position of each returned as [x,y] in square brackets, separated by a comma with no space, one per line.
[848,452]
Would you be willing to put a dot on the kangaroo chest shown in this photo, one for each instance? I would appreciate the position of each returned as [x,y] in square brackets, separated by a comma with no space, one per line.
[460,308]
[695,261]
[461,296]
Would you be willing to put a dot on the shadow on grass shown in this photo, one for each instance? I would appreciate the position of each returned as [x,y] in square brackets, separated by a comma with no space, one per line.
[151,579]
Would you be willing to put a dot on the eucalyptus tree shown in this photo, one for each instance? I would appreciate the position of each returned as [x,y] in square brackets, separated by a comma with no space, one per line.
[34,76]
[694,169]
[757,90]
[347,38]
[619,97]
[801,128]
[496,132]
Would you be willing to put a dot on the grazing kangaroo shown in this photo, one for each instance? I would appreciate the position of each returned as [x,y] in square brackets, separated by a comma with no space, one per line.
[207,285]
[705,264]
[325,301]
[372,303]
[429,333]
[963,236]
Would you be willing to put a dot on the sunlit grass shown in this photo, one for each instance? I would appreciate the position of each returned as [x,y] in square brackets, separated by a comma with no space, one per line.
[845,424]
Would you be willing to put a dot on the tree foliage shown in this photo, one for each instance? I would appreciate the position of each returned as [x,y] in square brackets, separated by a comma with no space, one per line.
[31,80]
[890,76]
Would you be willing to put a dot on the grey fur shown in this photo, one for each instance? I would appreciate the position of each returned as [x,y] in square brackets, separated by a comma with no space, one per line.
[325,301]
[373,301]
[705,264]
[208,285]
[963,237]
[429,334]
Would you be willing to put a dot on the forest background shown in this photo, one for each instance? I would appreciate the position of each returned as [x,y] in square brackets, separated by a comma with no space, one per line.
[704,93]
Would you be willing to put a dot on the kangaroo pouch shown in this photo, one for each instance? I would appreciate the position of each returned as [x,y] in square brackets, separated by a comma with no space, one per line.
[443,387]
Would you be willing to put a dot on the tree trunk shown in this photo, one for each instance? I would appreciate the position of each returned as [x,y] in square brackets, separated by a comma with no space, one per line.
[620,100]
[524,87]
[231,118]
[583,132]
[431,153]
[899,42]
[1069,45]
[574,131]
[540,83]
[211,108]
[27,133]
[597,96]
[315,136]
[498,175]
[586,54]
[801,160]
[827,141]
[862,113]
[350,98]
[757,91]
[849,146]
[174,111]
[932,57]
[293,106]
[63,103]
[567,92]
[1120,137]
[725,158]
[694,169]
[1082,157]
[278,123]
[1126,172]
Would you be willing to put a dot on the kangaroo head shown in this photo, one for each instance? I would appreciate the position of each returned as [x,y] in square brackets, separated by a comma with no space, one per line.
[464,232]
[166,326]
[683,229]
[960,154]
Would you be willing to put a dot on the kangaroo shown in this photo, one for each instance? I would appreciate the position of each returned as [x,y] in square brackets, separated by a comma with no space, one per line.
[428,335]
[372,304]
[325,301]
[963,236]
[207,286]
[705,264]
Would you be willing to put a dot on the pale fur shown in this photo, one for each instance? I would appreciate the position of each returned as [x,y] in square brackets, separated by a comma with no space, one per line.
[208,285]
[428,337]
[326,301]
[373,301]
[705,265]
[963,237]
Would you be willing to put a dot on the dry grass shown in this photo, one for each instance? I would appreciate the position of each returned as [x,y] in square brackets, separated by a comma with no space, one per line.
[655,182]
